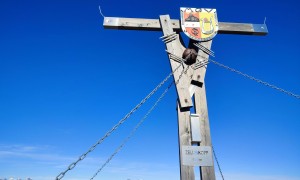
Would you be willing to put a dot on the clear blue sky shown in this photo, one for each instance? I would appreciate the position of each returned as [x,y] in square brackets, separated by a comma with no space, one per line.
[65,81]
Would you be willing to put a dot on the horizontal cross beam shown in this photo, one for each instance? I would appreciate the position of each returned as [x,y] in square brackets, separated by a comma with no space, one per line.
[154,25]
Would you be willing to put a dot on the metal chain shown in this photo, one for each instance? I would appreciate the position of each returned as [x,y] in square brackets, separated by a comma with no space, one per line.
[72,165]
[219,167]
[257,80]
[141,121]
[133,131]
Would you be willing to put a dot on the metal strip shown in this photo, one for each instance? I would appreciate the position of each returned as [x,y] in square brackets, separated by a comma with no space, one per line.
[195,128]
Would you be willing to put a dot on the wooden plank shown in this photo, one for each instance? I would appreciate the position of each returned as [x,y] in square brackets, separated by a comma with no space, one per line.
[199,74]
[175,47]
[242,28]
[184,100]
[202,56]
[154,25]
[207,173]
[136,24]
[184,138]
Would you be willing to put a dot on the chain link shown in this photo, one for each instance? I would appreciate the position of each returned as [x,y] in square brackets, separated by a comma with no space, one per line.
[141,121]
[219,167]
[257,80]
[133,131]
[72,165]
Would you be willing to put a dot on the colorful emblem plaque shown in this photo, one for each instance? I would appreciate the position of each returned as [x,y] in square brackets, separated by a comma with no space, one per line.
[200,24]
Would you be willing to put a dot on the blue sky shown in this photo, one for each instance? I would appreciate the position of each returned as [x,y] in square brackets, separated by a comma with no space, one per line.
[65,81]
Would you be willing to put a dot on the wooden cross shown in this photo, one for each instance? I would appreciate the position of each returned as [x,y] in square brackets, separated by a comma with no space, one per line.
[190,83]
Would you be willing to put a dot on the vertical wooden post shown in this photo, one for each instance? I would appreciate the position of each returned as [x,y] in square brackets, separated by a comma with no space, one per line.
[207,173]
[184,138]
[184,101]
[200,103]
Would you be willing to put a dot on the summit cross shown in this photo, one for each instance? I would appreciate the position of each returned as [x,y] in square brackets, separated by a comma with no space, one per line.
[195,147]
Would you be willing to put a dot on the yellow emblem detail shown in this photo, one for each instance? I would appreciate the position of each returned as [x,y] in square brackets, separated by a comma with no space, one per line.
[200,24]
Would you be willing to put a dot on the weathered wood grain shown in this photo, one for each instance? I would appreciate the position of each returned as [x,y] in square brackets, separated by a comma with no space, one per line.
[154,25]
[207,173]
[175,47]
[184,138]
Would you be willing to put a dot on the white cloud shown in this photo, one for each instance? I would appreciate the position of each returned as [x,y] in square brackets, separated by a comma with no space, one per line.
[41,161]
[45,158]
[20,148]
[141,170]
[30,152]
[248,176]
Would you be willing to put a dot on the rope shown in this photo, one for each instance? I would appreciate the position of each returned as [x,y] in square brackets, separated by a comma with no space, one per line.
[72,165]
[256,80]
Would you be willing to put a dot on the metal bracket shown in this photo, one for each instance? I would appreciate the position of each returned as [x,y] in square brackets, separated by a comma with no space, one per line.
[195,128]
